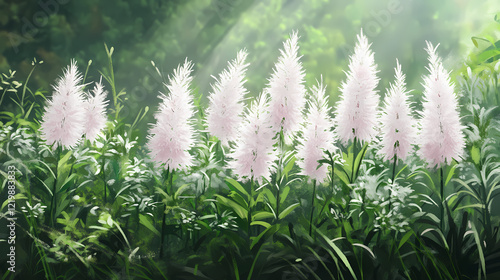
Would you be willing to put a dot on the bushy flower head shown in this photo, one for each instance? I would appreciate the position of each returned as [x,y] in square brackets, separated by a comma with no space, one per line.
[172,136]
[63,122]
[254,154]
[95,112]
[317,136]
[226,100]
[286,88]
[356,112]
[398,127]
[441,137]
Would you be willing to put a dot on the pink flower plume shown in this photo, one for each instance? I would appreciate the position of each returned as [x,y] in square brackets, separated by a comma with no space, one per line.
[95,112]
[356,112]
[253,154]
[317,135]
[172,136]
[286,89]
[63,122]
[226,100]
[398,127]
[441,137]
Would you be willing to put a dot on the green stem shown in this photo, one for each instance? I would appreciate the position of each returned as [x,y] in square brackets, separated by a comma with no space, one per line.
[53,204]
[394,168]
[103,162]
[170,175]
[86,71]
[250,204]
[279,173]
[353,158]
[312,207]
[442,196]
[24,87]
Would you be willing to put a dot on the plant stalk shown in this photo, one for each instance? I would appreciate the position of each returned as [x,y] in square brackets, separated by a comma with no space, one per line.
[170,175]
[442,196]
[354,144]
[53,204]
[394,167]
[312,207]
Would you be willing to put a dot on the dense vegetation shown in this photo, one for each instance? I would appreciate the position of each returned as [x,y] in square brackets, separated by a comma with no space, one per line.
[104,210]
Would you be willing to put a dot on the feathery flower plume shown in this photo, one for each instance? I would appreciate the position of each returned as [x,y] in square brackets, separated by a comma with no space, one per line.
[441,137]
[286,88]
[317,135]
[95,112]
[397,124]
[254,155]
[356,112]
[173,134]
[226,100]
[63,122]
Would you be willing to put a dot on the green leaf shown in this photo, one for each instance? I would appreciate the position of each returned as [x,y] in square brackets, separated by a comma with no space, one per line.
[270,196]
[237,186]
[475,154]
[261,223]
[479,248]
[287,211]
[66,183]
[238,209]
[262,215]
[267,232]
[339,254]
[405,238]
[145,222]
[64,159]
[284,194]
[450,174]
[289,166]
[180,190]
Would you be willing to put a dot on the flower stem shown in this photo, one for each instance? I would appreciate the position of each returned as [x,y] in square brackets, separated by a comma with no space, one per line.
[331,176]
[442,197]
[312,207]
[394,168]
[353,158]
[170,175]
[250,204]
[53,204]
[279,174]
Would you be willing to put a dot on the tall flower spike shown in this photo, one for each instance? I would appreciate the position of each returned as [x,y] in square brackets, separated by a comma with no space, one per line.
[397,125]
[172,136]
[226,100]
[441,137]
[253,154]
[317,135]
[63,122]
[356,112]
[95,112]
[286,88]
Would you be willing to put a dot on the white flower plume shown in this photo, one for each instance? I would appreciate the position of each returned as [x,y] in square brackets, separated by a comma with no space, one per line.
[95,112]
[441,137]
[356,112]
[63,122]
[317,136]
[226,100]
[172,136]
[254,154]
[398,127]
[286,89]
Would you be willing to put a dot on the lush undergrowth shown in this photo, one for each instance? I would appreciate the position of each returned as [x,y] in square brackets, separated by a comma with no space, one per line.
[103,209]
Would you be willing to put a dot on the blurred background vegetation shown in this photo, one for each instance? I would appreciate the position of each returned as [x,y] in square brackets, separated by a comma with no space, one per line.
[210,32]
